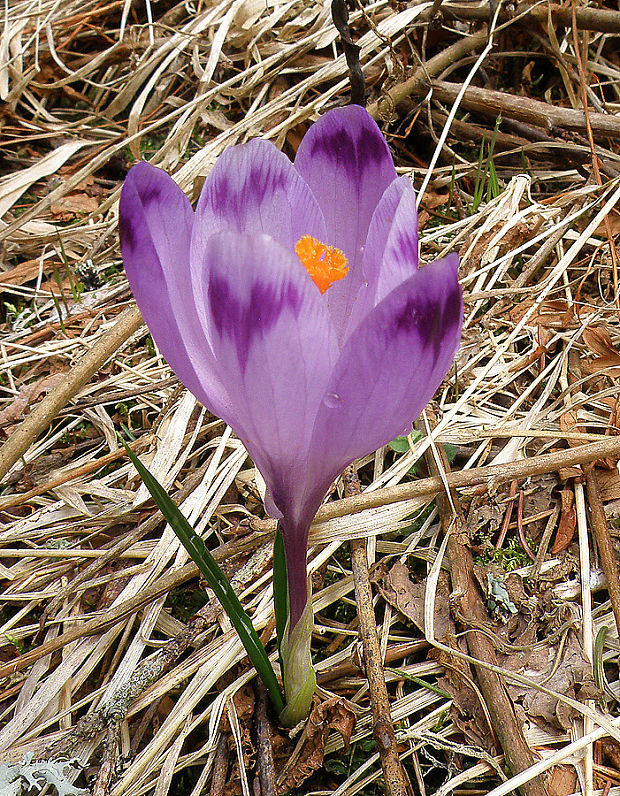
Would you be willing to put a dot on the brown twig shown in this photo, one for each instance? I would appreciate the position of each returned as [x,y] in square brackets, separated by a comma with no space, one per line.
[521,135]
[520,531]
[598,19]
[77,472]
[266,770]
[506,521]
[393,653]
[220,766]
[492,104]
[418,81]
[494,475]
[603,541]
[45,412]
[506,725]
[544,542]
[107,771]
[395,779]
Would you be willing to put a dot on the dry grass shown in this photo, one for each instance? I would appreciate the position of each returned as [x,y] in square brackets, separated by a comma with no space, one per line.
[91,86]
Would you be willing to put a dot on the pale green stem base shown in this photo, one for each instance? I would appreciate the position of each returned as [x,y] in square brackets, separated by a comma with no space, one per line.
[299,676]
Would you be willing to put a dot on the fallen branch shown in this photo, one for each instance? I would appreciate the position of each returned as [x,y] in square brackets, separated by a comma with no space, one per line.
[395,779]
[607,554]
[491,476]
[45,411]
[418,82]
[598,19]
[552,118]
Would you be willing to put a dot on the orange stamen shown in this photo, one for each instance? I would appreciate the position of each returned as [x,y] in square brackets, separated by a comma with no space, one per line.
[325,264]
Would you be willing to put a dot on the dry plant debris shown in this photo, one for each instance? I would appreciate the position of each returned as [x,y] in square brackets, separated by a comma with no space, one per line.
[120,675]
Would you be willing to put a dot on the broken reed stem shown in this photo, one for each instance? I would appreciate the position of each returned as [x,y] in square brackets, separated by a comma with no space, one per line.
[44,413]
[395,778]
[603,541]
[471,612]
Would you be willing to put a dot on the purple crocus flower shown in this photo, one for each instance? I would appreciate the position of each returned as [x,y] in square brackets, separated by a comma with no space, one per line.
[310,373]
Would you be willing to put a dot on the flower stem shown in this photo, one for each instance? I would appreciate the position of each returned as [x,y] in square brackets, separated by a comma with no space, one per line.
[280,587]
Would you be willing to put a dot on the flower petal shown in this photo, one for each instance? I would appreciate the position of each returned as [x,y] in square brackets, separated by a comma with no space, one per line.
[346,161]
[155,222]
[275,347]
[390,367]
[255,188]
[391,253]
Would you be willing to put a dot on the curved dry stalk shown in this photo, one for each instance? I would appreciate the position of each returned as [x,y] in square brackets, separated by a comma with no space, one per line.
[45,412]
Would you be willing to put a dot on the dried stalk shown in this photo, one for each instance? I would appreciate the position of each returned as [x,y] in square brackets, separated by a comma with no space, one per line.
[471,612]
[540,114]
[45,412]
[395,780]
[603,541]
[598,19]
[491,475]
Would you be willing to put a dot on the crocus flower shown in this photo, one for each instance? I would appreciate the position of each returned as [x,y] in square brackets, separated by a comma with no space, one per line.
[292,306]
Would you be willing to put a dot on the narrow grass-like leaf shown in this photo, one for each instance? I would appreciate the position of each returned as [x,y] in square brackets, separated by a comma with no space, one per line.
[480,181]
[216,580]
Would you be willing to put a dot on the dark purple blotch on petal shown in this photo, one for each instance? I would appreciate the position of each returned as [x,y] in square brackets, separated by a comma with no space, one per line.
[257,188]
[354,154]
[151,192]
[244,320]
[126,233]
[430,319]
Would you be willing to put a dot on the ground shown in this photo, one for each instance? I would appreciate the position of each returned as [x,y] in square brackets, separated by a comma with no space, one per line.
[500,648]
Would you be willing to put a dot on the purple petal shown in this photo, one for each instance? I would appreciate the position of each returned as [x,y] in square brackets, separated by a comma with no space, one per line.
[346,161]
[275,348]
[394,228]
[255,188]
[390,367]
[391,253]
[155,222]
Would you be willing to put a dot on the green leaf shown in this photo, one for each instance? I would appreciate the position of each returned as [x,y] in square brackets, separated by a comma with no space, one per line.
[216,579]
[450,450]
[401,444]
